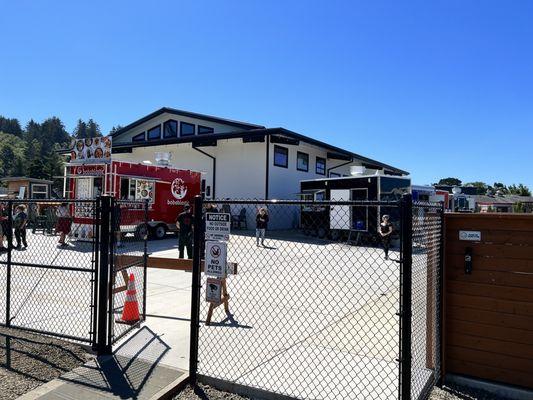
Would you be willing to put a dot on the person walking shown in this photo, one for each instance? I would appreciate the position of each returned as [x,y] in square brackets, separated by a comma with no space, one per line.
[64,223]
[385,231]
[185,230]
[261,223]
[19,223]
[3,227]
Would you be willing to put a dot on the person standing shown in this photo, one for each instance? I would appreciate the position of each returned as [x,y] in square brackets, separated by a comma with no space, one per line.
[63,223]
[261,224]
[3,227]
[19,223]
[185,231]
[385,231]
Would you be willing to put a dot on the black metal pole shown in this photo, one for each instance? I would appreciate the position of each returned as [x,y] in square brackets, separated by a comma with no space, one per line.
[406,295]
[9,250]
[145,257]
[96,251]
[196,285]
[440,296]
[103,346]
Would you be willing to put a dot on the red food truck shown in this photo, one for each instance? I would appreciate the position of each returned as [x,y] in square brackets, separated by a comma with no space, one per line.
[165,188]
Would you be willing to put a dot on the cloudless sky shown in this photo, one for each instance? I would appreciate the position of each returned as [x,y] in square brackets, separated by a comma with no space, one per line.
[438,88]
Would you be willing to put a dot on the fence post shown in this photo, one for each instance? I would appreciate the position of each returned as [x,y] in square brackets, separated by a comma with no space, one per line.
[440,296]
[406,295]
[196,285]
[145,256]
[9,235]
[102,345]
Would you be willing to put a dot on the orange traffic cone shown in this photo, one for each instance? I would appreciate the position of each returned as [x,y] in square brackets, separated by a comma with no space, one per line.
[130,313]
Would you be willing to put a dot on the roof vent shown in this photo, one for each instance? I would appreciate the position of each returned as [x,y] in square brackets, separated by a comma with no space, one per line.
[163,158]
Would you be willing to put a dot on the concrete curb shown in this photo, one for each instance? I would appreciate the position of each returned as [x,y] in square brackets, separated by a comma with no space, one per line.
[242,390]
[172,388]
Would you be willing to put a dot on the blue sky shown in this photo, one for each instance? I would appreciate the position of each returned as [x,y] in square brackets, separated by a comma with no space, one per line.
[438,88]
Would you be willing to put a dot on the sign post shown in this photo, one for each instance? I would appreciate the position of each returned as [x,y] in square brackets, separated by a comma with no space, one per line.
[217,231]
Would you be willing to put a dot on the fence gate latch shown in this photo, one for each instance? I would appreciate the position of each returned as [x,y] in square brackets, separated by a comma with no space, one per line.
[468,260]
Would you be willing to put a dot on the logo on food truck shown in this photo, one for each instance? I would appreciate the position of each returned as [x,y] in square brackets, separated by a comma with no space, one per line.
[89,170]
[178,188]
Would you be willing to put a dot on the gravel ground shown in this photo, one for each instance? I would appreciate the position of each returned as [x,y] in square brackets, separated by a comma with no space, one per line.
[204,392]
[454,392]
[35,360]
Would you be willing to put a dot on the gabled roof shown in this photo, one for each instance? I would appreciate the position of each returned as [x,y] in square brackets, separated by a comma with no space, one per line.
[275,134]
[237,124]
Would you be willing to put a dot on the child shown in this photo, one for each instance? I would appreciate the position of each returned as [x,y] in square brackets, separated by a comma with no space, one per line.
[261,221]
[63,222]
[19,223]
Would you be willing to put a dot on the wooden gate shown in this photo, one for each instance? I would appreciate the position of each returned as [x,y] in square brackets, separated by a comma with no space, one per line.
[488,324]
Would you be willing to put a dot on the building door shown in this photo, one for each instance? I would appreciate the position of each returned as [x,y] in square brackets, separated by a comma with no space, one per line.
[340,216]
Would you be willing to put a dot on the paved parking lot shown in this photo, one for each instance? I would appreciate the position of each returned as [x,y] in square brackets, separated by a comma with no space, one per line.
[307,315]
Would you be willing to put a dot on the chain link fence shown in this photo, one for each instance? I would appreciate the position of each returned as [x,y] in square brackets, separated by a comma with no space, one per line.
[323,300]
[427,232]
[313,301]
[47,266]
[129,248]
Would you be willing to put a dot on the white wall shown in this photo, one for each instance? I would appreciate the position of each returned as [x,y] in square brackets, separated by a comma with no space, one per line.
[285,182]
[240,167]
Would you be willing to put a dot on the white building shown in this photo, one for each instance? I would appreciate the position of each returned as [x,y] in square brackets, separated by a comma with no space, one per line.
[239,160]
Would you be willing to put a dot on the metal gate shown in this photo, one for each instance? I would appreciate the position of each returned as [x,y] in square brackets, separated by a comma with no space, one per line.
[46,287]
[318,310]
[74,291]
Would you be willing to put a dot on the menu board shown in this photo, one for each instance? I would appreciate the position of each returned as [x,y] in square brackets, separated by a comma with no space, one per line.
[91,150]
[144,190]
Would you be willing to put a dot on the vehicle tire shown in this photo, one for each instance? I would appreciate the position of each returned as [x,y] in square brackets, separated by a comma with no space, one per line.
[322,232]
[335,235]
[141,232]
[314,232]
[160,231]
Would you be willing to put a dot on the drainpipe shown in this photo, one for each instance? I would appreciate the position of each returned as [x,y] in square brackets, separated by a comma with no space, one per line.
[214,168]
[267,177]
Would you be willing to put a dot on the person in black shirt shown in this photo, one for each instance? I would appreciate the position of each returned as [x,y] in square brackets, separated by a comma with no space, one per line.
[261,223]
[184,224]
[385,230]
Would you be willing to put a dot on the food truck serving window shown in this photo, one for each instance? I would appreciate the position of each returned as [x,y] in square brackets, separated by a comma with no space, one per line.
[136,189]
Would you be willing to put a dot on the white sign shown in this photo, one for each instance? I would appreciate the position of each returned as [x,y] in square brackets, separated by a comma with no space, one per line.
[215,259]
[91,150]
[474,236]
[217,226]
[213,290]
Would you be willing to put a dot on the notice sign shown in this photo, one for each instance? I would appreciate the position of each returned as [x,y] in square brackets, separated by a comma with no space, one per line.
[217,226]
[215,259]
[213,290]
[474,236]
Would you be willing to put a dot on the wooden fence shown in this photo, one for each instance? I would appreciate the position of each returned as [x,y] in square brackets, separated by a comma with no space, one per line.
[488,324]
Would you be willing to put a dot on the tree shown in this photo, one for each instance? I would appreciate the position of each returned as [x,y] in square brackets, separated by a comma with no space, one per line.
[11,126]
[114,129]
[93,130]
[481,187]
[498,186]
[520,190]
[450,182]
[80,131]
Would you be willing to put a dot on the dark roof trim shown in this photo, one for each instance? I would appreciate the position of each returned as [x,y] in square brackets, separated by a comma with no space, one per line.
[238,124]
[270,132]
[23,178]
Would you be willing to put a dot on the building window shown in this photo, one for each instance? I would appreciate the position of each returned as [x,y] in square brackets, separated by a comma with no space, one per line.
[170,129]
[138,138]
[202,130]
[281,156]
[154,133]
[320,166]
[39,191]
[334,175]
[186,129]
[302,162]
